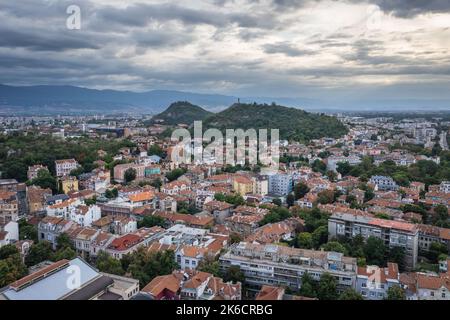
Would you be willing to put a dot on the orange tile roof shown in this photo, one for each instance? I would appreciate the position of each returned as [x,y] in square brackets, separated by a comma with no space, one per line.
[171,282]
[270,293]
[142,196]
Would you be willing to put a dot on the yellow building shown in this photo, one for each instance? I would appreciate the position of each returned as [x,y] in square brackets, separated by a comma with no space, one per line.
[242,185]
[67,184]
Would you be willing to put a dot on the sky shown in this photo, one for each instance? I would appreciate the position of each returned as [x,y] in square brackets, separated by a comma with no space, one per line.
[317,49]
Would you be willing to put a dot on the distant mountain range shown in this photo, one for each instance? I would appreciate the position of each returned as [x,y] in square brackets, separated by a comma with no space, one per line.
[76,100]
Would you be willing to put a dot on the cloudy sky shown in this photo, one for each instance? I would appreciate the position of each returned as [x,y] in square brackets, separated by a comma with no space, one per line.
[394,49]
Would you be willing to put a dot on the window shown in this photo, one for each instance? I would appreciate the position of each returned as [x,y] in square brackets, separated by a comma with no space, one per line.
[443,294]
[432,293]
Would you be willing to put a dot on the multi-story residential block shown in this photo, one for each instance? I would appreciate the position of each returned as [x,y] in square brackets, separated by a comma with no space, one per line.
[33,171]
[393,233]
[120,169]
[445,186]
[429,234]
[64,167]
[333,161]
[373,282]
[261,185]
[242,185]
[383,183]
[280,184]
[284,266]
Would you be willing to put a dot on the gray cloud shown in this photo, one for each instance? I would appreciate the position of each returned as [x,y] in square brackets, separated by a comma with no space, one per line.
[228,46]
[287,49]
[409,8]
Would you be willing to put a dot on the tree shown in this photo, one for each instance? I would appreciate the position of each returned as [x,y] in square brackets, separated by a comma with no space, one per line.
[44,179]
[435,250]
[210,265]
[151,221]
[374,251]
[145,266]
[397,255]
[327,289]
[350,294]
[290,200]
[334,246]
[156,150]
[11,267]
[175,174]
[63,241]
[39,252]
[441,212]
[320,236]
[27,231]
[277,202]
[156,183]
[325,197]
[396,293]
[277,214]
[308,287]
[106,263]
[7,251]
[234,274]
[304,240]
[235,238]
[368,195]
[130,175]
[111,194]
[65,253]
[300,190]
[319,166]
[343,168]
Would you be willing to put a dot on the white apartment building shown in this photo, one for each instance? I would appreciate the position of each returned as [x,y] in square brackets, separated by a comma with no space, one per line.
[393,233]
[280,184]
[64,167]
[284,266]
[85,215]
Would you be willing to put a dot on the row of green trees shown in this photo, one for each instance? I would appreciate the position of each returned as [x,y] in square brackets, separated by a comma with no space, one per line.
[19,151]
